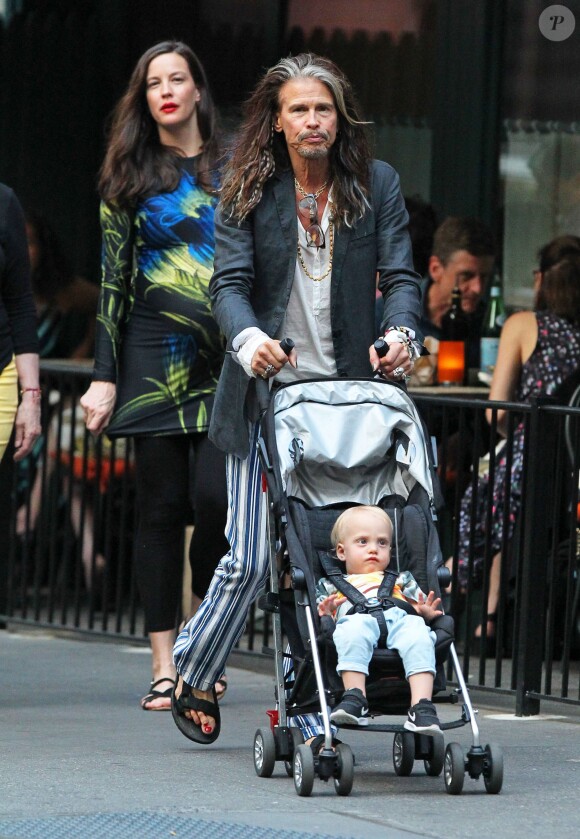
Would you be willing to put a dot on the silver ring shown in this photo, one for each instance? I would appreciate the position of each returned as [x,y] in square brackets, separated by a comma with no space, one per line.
[268,371]
[398,372]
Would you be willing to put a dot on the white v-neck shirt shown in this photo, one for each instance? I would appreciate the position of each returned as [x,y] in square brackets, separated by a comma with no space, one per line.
[307,319]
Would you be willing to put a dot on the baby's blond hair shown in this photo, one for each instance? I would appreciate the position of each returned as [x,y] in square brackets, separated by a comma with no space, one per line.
[337,533]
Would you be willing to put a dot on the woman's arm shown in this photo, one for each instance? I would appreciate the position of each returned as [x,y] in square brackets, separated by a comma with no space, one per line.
[27,424]
[518,338]
[117,228]
[17,299]
[15,286]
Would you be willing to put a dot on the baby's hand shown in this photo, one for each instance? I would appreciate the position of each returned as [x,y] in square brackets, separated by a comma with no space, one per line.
[428,606]
[327,606]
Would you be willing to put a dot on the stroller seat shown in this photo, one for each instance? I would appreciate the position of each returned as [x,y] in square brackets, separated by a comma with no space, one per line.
[387,688]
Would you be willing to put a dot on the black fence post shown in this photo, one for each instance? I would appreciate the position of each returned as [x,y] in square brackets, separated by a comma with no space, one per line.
[537,491]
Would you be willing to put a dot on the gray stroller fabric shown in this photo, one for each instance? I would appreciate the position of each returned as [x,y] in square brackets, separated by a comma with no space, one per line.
[352,440]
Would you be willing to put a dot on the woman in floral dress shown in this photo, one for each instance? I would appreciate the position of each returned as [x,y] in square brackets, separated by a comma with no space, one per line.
[538,351]
[158,350]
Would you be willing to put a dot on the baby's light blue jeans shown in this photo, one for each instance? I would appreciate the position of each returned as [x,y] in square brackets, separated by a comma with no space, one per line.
[355,638]
[357,635]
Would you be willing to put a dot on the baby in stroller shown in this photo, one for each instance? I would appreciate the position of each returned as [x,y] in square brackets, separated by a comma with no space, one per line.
[320,475]
[398,618]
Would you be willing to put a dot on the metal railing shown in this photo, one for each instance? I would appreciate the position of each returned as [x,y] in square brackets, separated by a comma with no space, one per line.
[66,529]
[536,648]
[67,550]
[66,537]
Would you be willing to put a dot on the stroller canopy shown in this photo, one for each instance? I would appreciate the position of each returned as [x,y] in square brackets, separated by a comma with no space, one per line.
[350,440]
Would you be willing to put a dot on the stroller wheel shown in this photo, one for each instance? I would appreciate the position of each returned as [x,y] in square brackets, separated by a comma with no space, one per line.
[434,763]
[404,752]
[297,740]
[493,769]
[345,771]
[303,770]
[454,769]
[264,752]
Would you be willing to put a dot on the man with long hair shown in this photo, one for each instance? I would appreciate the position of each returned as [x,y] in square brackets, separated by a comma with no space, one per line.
[307,222]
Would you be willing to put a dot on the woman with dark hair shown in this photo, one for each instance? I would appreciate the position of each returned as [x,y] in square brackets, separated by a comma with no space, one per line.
[538,351]
[158,349]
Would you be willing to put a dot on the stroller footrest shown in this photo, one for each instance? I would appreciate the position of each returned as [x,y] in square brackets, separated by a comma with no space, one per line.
[398,728]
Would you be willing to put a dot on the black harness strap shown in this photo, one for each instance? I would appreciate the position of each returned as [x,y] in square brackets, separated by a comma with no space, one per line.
[374,606]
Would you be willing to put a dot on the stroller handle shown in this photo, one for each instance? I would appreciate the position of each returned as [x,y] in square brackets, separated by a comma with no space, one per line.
[262,387]
[381,347]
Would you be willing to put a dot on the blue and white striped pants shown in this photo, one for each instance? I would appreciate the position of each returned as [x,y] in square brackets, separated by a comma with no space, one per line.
[203,646]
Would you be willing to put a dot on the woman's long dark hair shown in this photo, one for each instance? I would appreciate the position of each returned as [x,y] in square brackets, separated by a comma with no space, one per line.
[258,150]
[559,291]
[136,163]
[556,249]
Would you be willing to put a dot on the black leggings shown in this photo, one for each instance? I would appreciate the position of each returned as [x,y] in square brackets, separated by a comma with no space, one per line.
[170,471]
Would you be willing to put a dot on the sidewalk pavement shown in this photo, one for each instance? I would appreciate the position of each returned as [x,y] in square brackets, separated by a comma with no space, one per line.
[79,758]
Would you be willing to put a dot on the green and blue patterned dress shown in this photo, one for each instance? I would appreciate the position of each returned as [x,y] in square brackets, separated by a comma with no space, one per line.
[156,337]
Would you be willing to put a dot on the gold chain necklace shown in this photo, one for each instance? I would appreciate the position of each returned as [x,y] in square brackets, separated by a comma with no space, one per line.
[330,252]
[303,192]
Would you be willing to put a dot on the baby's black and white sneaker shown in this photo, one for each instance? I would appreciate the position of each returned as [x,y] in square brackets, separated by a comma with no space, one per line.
[353,709]
[422,718]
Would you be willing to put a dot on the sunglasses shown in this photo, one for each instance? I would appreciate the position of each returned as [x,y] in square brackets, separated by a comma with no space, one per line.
[314,233]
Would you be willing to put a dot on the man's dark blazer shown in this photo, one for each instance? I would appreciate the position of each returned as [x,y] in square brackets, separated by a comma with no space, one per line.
[253,275]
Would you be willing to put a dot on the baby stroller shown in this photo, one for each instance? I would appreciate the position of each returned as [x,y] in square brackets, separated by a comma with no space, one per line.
[326,445]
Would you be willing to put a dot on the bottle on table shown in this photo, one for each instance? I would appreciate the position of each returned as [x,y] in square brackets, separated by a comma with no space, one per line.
[491,328]
[451,356]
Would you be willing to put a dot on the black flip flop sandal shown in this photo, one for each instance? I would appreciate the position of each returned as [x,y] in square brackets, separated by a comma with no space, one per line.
[158,694]
[186,701]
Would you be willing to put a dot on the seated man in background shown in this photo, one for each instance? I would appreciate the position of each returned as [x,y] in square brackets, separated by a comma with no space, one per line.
[463,255]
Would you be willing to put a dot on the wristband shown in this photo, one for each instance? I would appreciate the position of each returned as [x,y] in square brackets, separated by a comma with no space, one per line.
[407,332]
[405,336]
[36,390]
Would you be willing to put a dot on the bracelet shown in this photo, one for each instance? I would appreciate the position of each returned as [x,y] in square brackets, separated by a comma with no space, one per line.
[24,390]
[409,333]
[407,337]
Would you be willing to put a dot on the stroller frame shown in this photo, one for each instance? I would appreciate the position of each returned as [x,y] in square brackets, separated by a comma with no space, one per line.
[281,742]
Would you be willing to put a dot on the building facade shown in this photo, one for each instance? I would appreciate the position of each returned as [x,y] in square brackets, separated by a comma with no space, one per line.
[469,100]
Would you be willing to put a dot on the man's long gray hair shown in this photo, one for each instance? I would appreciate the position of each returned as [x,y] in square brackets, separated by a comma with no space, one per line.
[258,151]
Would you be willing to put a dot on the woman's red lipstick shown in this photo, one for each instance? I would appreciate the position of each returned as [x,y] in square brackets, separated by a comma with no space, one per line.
[169,107]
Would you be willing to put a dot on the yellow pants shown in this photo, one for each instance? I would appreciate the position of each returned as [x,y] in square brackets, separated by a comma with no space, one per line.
[8,403]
